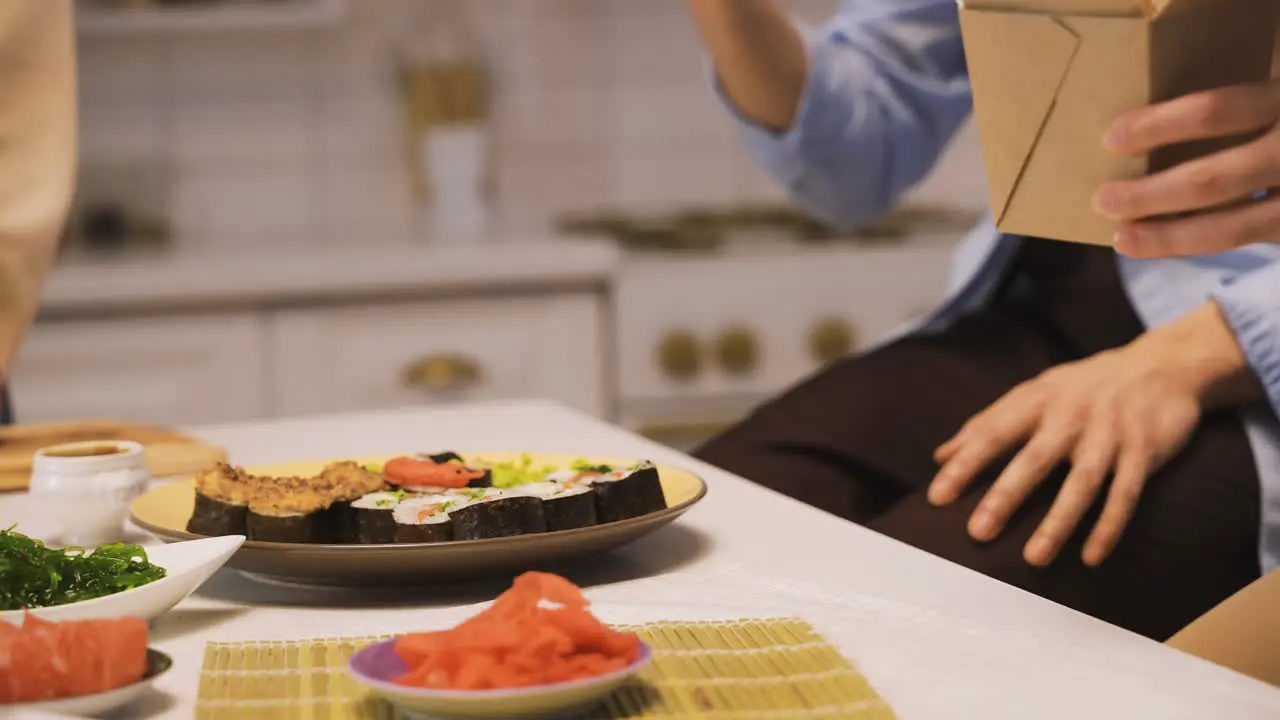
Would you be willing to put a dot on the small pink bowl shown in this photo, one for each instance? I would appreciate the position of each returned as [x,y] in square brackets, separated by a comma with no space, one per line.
[378,665]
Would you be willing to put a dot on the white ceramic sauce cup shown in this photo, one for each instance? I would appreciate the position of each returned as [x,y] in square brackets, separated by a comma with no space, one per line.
[85,488]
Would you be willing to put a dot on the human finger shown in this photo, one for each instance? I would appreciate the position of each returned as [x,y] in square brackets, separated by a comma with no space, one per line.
[1219,231]
[1049,446]
[1214,113]
[1133,465]
[989,434]
[1232,175]
[1090,465]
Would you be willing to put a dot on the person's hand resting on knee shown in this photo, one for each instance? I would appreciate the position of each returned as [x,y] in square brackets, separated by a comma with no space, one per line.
[1224,183]
[1117,416]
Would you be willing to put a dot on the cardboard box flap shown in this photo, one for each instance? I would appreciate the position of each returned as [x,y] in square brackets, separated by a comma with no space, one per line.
[1124,8]
[1018,97]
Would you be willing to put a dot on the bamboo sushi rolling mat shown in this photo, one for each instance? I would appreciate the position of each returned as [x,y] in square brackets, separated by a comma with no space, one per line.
[737,670]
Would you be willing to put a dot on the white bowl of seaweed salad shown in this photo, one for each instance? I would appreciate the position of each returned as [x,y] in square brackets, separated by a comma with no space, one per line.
[109,581]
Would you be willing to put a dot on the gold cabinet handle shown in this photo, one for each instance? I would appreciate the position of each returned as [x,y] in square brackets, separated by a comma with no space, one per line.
[441,372]
[830,340]
[738,351]
[680,355]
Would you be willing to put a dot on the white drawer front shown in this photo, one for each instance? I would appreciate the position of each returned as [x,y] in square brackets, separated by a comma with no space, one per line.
[188,370]
[356,358]
[778,304]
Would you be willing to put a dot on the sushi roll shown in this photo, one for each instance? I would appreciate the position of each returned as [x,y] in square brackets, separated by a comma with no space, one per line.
[498,514]
[627,493]
[346,482]
[565,505]
[287,510]
[484,480]
[474,494]
[425,519]
[222,502]
[373,517]
[577,474]
[420,474]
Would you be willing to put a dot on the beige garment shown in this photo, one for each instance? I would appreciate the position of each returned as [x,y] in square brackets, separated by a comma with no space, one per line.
[1243,633]
[37,153]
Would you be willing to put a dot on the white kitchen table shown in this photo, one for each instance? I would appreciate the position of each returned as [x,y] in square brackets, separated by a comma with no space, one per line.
[936,640]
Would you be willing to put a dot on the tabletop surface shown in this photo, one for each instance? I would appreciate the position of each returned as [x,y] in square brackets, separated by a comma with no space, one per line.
[936,640]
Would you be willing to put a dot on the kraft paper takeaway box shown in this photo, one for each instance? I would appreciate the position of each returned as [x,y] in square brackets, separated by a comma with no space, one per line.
[1050,76]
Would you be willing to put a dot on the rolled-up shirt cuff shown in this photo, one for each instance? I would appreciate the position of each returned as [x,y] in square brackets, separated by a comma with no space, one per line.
[783,153]
[1251,306]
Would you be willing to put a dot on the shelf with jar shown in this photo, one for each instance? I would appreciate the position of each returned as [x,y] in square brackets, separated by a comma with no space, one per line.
[131,17]
[444,80]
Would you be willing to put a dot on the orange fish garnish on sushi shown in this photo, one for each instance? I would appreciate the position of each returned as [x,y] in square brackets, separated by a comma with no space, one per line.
[410,472]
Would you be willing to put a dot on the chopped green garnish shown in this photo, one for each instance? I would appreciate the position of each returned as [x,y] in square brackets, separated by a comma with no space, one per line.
[476,494]
[400,494]
[34,575]
[512,474]
[384,503]
[373,468]
[448,505]
[523,470]
[584,466]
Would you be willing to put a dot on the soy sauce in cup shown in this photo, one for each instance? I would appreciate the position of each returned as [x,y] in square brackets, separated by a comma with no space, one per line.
[86,488]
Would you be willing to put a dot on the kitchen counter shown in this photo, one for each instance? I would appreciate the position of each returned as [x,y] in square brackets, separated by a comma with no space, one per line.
[935,639]
[309,275]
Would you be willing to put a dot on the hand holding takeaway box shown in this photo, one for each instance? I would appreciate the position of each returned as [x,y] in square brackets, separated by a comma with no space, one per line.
[1049,78]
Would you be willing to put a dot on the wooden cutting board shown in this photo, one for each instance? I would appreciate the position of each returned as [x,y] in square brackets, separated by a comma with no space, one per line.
[169,452]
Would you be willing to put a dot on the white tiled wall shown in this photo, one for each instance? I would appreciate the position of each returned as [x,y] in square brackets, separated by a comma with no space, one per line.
[279,136]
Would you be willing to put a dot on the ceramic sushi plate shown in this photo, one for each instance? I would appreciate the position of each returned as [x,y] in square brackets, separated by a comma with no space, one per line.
[167,510]
[98,703]
[376,666]
[187,565]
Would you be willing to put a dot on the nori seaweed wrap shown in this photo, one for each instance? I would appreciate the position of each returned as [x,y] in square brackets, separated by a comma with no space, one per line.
[222,502]
[483,481]
[499,516]
[213,517]
[287,510]
[344,483]
[307,528]
[566,506]
[424,519]
[628,493]
[373,519]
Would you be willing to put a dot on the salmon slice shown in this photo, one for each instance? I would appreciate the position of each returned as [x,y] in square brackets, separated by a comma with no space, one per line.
[44,660]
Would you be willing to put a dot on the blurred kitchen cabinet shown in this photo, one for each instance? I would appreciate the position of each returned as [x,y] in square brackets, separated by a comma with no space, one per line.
[702,340]
[130,18]
[373,356]
[212,337]
[173,369]
[707,327]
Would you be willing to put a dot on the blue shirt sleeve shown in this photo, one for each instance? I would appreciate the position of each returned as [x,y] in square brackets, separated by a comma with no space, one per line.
[1251,305]
[887,88]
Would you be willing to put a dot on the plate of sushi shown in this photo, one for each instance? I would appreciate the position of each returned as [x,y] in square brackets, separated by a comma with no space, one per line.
[420,517]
